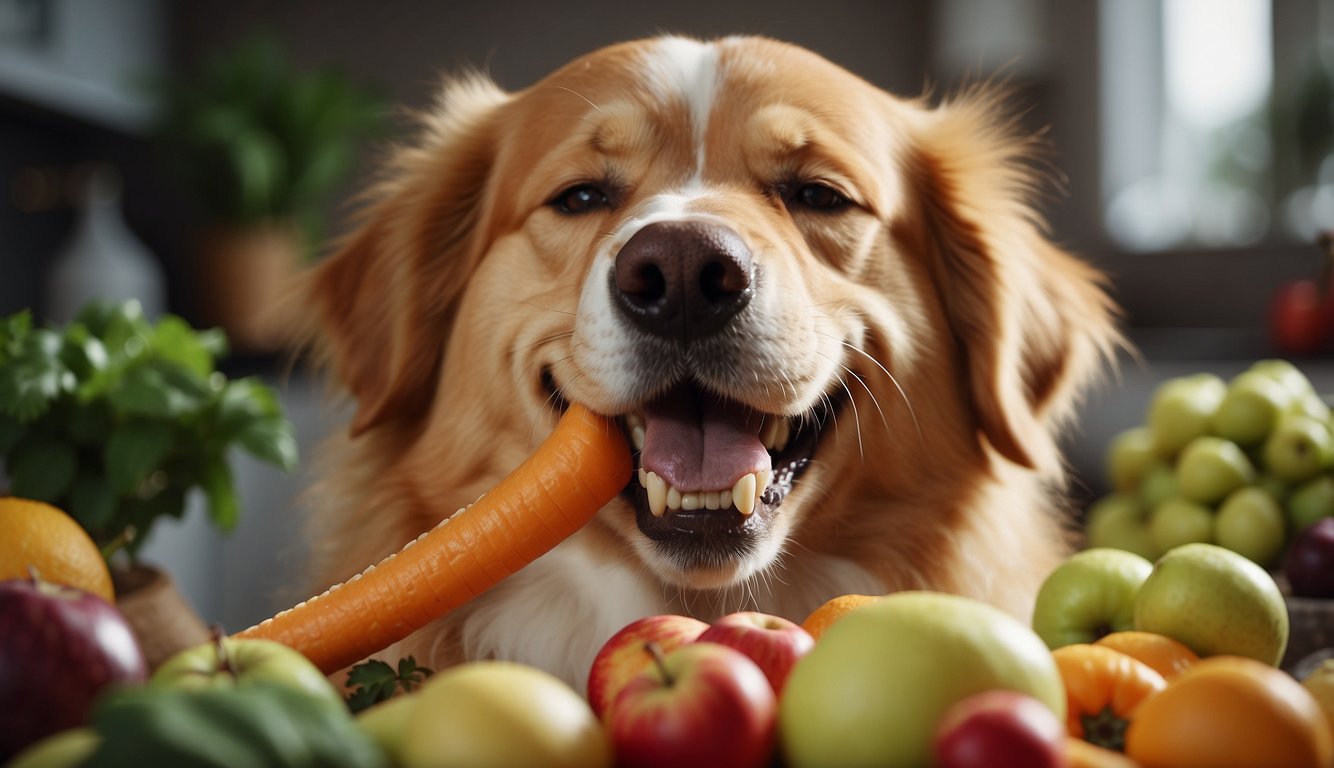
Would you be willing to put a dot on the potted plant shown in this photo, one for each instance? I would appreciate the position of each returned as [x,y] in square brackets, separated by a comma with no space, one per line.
[260,147]
[114,419]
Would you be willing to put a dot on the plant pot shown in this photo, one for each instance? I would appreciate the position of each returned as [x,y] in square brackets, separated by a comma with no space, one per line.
[162,619]
[247,274]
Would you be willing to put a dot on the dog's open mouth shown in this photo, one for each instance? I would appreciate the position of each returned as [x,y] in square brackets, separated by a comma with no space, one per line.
[712,471]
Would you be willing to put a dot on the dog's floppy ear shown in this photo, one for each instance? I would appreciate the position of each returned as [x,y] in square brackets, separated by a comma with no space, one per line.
[384,301]
[1033,322]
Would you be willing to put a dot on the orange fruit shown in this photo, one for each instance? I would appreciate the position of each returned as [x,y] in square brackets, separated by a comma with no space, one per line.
[1168,657]
[37,535]
[1231,712]
[833,610]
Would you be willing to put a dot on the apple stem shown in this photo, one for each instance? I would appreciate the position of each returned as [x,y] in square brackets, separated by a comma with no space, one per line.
[117,544]
[655,651]
[224,659]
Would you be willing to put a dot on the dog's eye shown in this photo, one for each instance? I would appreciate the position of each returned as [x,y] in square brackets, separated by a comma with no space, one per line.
[580,199]
[819,197]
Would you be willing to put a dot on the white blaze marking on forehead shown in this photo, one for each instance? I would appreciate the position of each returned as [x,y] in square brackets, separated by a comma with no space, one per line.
[681,68]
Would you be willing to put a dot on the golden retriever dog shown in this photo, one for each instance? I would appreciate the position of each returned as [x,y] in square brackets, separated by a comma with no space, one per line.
[827,318]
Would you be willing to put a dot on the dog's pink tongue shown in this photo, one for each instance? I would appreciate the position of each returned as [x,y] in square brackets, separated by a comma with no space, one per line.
[701,442]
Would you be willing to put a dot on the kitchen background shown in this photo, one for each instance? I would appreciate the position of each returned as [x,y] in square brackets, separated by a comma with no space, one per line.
[1190,141]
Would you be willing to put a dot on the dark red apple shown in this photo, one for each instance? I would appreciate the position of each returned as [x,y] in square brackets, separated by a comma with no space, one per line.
[1310,561]
[1297,318]
[60,648]
[1000,729]
[701,704]
[772,642]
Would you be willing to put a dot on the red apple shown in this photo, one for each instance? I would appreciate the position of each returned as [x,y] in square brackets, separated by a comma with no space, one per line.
[1297,315]
[622,657]
[1309,564]
[60,647]
[701,704]
[1000,729]
[772,642]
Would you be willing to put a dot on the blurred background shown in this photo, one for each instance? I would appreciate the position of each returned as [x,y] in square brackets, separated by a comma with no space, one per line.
[193,153]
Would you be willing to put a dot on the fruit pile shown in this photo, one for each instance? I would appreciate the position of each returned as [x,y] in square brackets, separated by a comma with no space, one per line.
[1247,464]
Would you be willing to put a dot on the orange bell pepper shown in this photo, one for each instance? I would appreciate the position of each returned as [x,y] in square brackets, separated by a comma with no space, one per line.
[1168,657]
[1103,688]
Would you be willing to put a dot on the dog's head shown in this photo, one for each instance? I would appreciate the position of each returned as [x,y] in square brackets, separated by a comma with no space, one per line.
[796,291]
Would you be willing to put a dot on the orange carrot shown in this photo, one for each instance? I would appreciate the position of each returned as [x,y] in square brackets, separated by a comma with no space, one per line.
[571,475]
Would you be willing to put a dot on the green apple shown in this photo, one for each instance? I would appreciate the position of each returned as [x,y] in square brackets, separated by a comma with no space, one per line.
[1118,521]
[387,722]
[1275,486]
[1298,448]
[1250,523]
[1182,409]
[1180,521]
[1310,501]
[872,690]
[1252,405]
[1129,456]
[1210,468]
[499,713]
[228,662]
[1320,682]
[1089,595]
[65,749]
[1159,485]
[1287,374]
[1216,602]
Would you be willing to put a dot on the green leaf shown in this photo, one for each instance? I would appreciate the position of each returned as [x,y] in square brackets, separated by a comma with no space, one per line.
[91,500]
[270,440]
[42,469]
[221,493]
[13,329]
[159,389]
[82,353]
[29,384]
[133,451]
[374,681]
[174,340]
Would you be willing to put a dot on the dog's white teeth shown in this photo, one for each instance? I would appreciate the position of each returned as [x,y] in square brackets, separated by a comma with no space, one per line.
[775,433]
[657,494]
[743,494]
[637,437]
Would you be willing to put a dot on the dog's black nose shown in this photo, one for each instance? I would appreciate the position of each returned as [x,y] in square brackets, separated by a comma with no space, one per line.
[682,279]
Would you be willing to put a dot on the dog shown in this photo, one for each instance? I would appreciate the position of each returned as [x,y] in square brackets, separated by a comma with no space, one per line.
[828,318]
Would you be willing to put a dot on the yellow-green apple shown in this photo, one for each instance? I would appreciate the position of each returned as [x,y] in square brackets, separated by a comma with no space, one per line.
[67,749]
[1274,485]
[1118,521]
[1000,729]
[701,704]
[1250,408]
[1287,374]
[60,648]
[1320,682]
[1310,502]
[1309,564]
[1216,602]
[1250,523]
[1129,456]
[1298,448]
[387,722]
[622,657]
[772,642]
[1182,409]
[499,713]
[225,662]
[872,690]
[1180,521]
[1210,468]
[1090,595]
[1159,485]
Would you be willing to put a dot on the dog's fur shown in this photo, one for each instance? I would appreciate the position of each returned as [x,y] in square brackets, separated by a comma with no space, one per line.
[928,321]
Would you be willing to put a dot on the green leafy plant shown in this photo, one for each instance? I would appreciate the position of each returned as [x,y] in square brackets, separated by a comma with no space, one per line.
[256,140]
[114,418]
[374,681]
